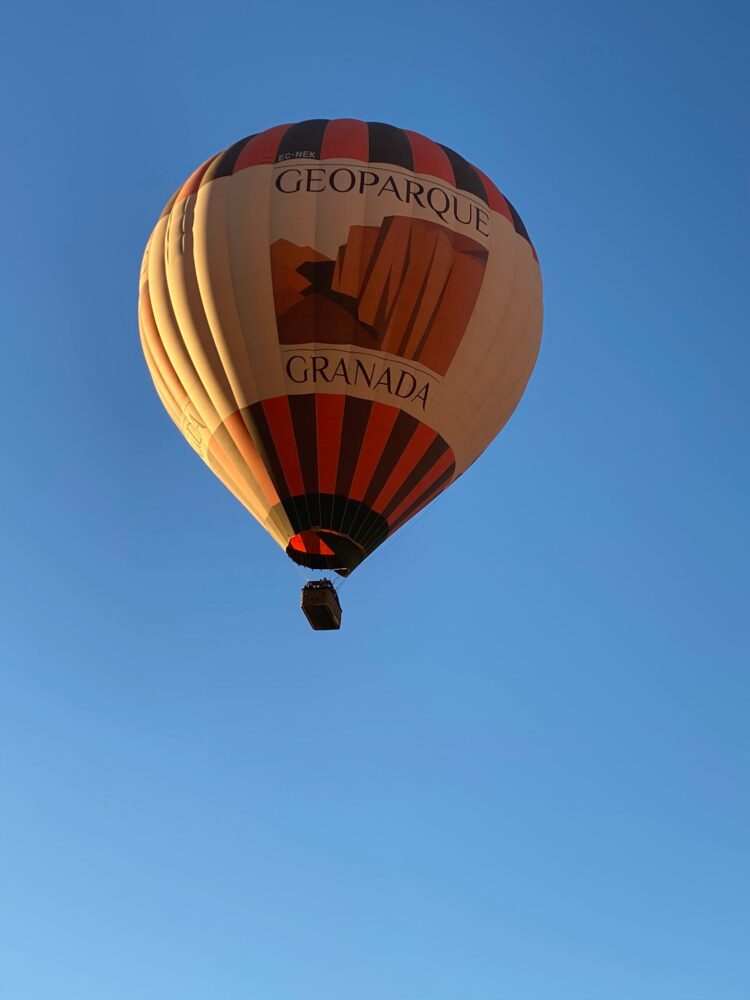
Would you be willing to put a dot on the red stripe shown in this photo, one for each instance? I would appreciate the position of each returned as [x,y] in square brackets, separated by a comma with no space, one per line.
[346,138]
[379,426]
[443,463]
[308,541]
[495,198]
[421,440]
[429,158]
[329,416]
[262,148]
[279,418]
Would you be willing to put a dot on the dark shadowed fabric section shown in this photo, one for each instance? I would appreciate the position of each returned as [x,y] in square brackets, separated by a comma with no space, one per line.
[467,179]
[224,163]
[436,450]
[303,140]
[389,145]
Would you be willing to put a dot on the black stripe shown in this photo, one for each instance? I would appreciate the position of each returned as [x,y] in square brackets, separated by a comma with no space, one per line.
[353,430]
[433,455]
[517,221]
[302,409]
[389,145]
[224,163]
[303,140]
[325,505]
[353,427]
[467,179]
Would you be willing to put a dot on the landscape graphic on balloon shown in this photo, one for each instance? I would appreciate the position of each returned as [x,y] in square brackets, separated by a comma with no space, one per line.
[407,287]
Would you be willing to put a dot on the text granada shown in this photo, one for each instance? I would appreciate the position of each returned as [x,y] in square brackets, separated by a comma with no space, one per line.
[353,371]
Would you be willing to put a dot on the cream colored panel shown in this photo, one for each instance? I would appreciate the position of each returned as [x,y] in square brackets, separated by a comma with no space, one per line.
[187,305]
[170,334]
[214,272]
[249,239]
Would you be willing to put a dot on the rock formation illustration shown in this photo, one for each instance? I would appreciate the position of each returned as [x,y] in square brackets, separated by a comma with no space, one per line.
[407,287]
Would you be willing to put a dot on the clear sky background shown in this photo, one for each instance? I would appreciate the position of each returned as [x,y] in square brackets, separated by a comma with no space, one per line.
[521,770]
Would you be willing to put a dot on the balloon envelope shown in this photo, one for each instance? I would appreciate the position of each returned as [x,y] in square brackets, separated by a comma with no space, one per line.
[339,316]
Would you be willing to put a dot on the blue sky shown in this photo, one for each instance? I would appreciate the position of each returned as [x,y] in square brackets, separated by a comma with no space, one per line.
[521,769]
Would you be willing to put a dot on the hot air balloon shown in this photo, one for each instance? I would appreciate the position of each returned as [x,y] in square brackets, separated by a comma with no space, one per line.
[339,316]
